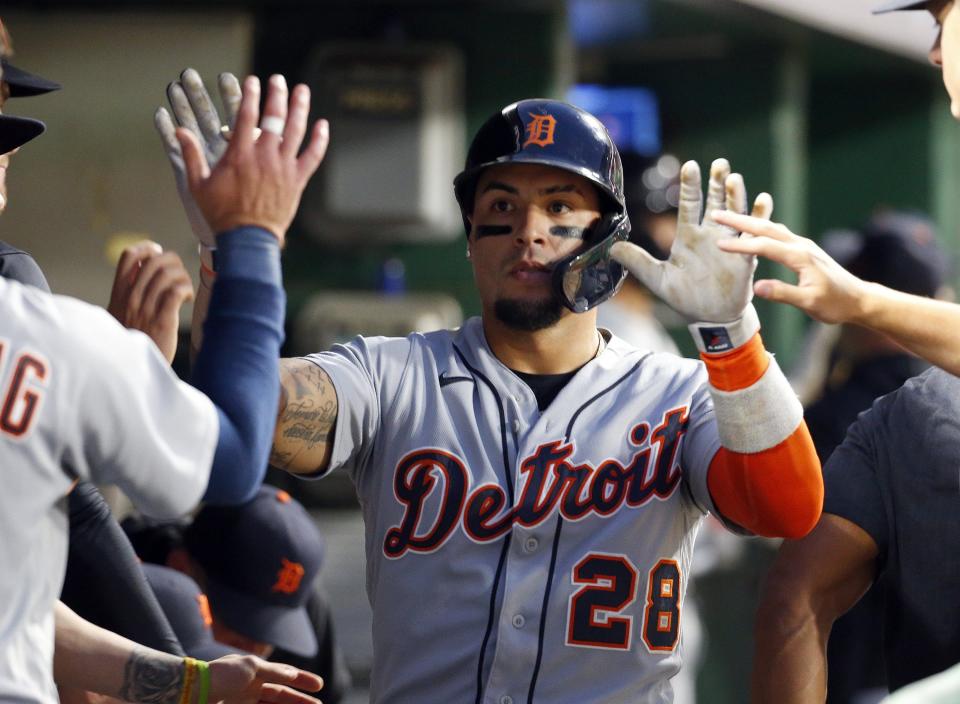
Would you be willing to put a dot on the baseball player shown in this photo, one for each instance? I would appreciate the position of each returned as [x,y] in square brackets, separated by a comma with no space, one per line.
[14,263]
[827,292]
[103,582]
[81,397]
[531,485]
[891,504]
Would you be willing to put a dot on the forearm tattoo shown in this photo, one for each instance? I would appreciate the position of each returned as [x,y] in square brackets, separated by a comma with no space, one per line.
[148,678]
[309,415]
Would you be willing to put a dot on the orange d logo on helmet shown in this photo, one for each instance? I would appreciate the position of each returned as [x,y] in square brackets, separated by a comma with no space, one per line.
[540,130]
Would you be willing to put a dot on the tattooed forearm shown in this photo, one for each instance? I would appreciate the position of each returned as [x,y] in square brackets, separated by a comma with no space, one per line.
[151,679]
[307,418]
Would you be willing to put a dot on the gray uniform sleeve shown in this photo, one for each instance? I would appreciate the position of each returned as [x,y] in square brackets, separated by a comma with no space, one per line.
[356,369]
[701,443]
[135,424]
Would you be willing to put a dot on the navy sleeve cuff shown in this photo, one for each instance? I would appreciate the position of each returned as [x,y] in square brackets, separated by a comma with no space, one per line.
[249,253]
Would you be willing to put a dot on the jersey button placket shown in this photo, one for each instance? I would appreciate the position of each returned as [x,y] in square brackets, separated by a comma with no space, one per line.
[506,699]
[530,544]
[519,621]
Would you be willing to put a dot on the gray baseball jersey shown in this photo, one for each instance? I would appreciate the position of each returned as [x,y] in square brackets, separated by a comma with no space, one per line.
[80,397]
[515,555]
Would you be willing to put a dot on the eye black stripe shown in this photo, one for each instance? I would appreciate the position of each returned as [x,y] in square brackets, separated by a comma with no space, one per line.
[489,230]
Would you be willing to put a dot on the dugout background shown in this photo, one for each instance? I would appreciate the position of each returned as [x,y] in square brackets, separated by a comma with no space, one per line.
[832,127]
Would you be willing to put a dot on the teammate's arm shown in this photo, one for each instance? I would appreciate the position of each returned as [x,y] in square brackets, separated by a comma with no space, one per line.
[829,293]
[308,404]
[90,658]
[104,581]
[307,418]
[256,182]
[812,582]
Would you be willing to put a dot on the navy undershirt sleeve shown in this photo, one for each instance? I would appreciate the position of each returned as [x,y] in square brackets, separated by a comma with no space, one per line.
[852,488]
[104,582]
[237,366]
[20,266]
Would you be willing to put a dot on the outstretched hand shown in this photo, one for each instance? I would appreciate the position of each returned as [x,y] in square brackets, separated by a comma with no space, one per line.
[258,181]
[696,280]
[193,109]
[149,288]
[246,679]
[256,176]
[824,289]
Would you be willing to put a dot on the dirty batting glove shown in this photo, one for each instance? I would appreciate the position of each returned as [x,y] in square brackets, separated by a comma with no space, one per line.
[194,110]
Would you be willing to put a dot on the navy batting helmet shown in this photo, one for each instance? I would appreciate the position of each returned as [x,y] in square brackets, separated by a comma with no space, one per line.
[554,133]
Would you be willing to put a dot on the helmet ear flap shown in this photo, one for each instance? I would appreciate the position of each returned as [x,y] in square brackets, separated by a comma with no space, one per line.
[586,279]
[603,227]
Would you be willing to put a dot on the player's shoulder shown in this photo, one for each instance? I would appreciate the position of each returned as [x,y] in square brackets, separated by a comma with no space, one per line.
[377,350]
[656,362]
[6,248]
[33,309]
[927,395]
[61,324]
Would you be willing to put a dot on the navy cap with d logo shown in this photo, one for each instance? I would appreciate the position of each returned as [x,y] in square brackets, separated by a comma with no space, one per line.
[261,561]
[188,610]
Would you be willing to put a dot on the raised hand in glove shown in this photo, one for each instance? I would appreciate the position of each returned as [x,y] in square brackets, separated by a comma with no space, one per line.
[710,287]
[698,280]
[194,110]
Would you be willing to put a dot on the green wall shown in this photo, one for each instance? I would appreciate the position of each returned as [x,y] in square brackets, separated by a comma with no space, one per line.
[508,54]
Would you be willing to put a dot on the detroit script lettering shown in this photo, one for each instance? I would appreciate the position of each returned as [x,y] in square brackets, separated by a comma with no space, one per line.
[549,483]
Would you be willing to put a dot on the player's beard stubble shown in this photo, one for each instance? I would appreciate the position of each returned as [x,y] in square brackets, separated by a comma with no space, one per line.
[528,316]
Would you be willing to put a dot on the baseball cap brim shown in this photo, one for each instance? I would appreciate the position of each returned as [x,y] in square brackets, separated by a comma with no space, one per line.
[901,5]
[281,626]
[24,84]
[17,131]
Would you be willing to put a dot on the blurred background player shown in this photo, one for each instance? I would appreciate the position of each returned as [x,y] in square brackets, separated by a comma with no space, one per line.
[188,609]
[900,251]
[17,83]
[259,566]
[652,192]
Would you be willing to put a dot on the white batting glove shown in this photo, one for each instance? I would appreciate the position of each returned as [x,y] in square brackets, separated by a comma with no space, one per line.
[193,109]
[699,281]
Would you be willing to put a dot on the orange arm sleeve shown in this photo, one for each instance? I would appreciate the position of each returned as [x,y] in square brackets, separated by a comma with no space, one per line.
[777,492]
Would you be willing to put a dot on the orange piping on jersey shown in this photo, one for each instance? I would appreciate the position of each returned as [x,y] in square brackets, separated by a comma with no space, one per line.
[777,493]
[739,368]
